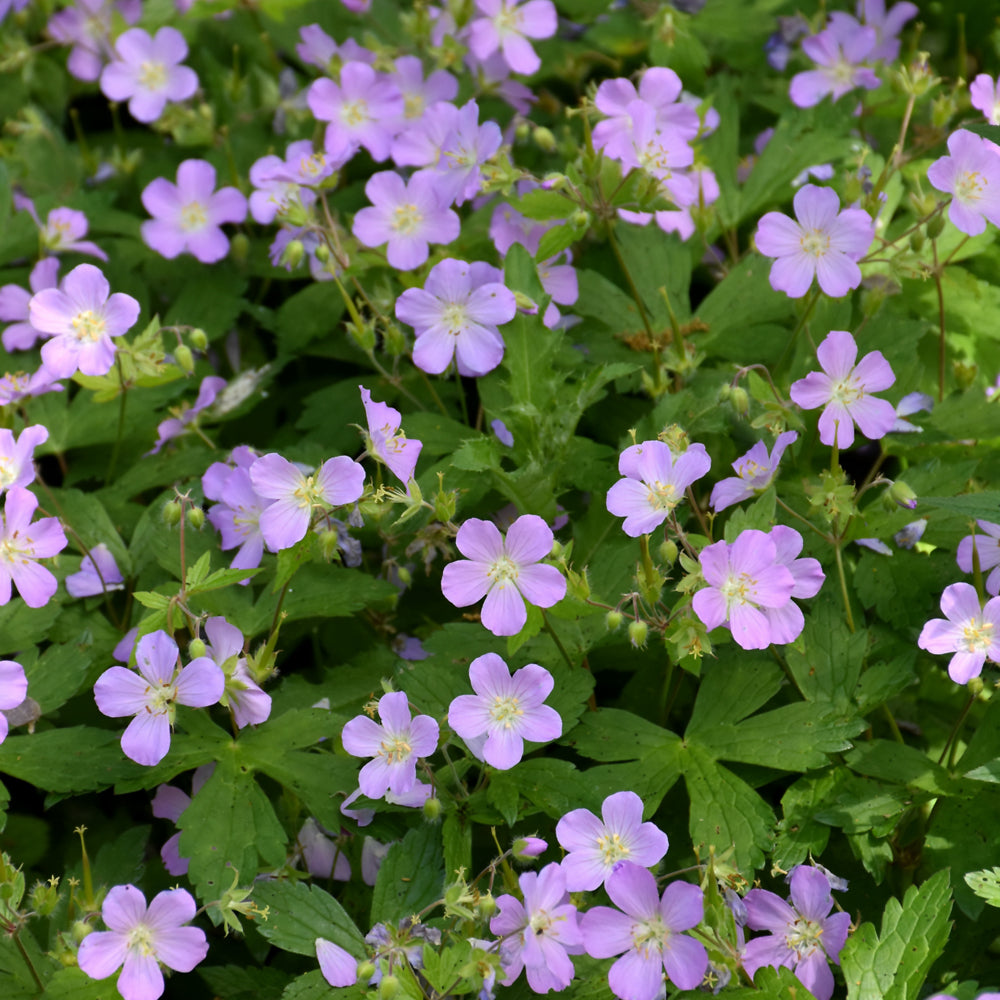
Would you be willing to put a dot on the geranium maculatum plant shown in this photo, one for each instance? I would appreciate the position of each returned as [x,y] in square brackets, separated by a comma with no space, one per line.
[499,497]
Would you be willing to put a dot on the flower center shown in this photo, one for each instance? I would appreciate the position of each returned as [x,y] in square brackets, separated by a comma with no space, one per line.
[662,496]
[507,21]
[841,73]
[738,589]
[11,552]
[803,936]
[160,698]
[306,492]
[456,318]
[650,936]
[8,471]
[750,470]
[152,76]
[312,166]
[87,325]
[395,749]
[540,922]
[505,710]
[193,217]
[140,939]
[977,635]
[503,570]
[406,219]
[846,391]
[413,105]
[970,186]
[814,242]
[354,112]
[612,849]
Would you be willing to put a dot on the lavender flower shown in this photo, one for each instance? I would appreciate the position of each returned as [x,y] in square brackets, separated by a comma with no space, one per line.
[173,427]
[393,746]
[456,315]
[887,25]
[419,92]
[540,933]
[22,543]
[338,481]
[81,317]
[824,243]
[237,518]
[323,856]
[385,442]
[985,97]
[968,630]
[249,704]
[339,967]
[743,579]
[169,802]
[971,175]
[141,938]
[505,711]
[98,574]
[654,483]
[15,305]
[63,230]
[188,215]
[86,26]
[839,51]
[507,573]
[912,402]
[407,216]
[147,72]
[844,391]
[13,691]
[466,147]
[988,548]
[17,466]
[153,694]
[804,938]
[596,846]
[754,473]
[649,932]
[786,622]
[506,25]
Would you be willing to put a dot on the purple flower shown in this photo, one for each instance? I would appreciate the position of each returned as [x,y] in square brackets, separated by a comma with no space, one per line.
[323,856]
[339,966]
[838,51]
[649,932]
[188,215]
[153,694]
[393,746]
[147,72]
[86,25]
[506,25]
[317,48]
[17,467]
[22,543]
[887,25]
[13,691]
[654,483]
[386,442]
[743,579]
[420,92]
[505,711]
[528,848]
[237,518]
[170,802]
[63,229]
[596,846]
[364,109]
[786,622]
[502,432]
[804,939]
[465,148]
[81,317]
[140,939]
[971,175]
[539,934]
[824,243]
[507,573]
[249,704]
[15,386]
[968,630]
[338,481]
[754,473]
[844,390]
[15,305]
[985,97]
[456,315]
[283,185]
[406,215]
[173,427]
[98,574]
[988,548]
[912,402]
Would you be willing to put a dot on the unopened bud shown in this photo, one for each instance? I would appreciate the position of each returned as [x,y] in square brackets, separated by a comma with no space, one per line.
[172,513]
[528,848]
[544,139]
[637,634]
[432,809]
[292,255]
[903,495]
[522,131]
[725,391]
[580,219]
[975,686]
[322,253]
[668,552]
[524,303]
[917,241]
[196,518]
[935,227]
[363,336]
[196,648]
[44,897]
[328,543]
[740,400]
[198,338]
[444,505]
[239,247]
[487,906]
[184,358]
[557,549]
[366,970]
[613,620]
[965,374]
[80,930]
[388,987]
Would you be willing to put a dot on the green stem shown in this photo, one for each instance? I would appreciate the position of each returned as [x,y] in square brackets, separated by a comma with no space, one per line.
[822,534]
[843,585]
[433,392]
[616,250]
[891,719]
[942,346]
[461,395]
[803,319]
[113,461]
[555,638]
[27,960]
[953,735]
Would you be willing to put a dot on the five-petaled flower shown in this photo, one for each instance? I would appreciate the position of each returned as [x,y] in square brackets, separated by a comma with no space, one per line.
[22,543]
[987,547]
[386,443]
[507,573]
[844,390]
[969,630]
[754,473]
[970,173]
[821,242]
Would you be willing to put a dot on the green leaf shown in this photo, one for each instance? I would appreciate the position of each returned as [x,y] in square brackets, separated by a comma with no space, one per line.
[729,692]
[521,275]
[893,964]
[238,982]
[555,240]
[477,455]
[612,734]
[544,205]
[75,984]
[799,833]
[411,876]
[985,883]
[312,986]
[888,760]
[298,914]
[57,675]
[309,315]
[660,266]
[74,759]
[982,506]
[456,833]
[229,823]
[503,794]
[828,666]
[759,516]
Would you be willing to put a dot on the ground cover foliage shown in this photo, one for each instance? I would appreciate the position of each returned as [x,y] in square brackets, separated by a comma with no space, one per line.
[477,516]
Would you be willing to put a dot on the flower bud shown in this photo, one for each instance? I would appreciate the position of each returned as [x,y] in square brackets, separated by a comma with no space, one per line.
[637,634]
[668,552]
[580,219]
[80,930]
[432,810]
[740,400]
[444,505]
[964,374]
[366,970]
[184,358]
[363,336]
[196,648]
[198,338]
[557,549]
[522,131]
[935,227]
[487,906]
[388,987]
[725,391]
[917,241]
[328,543]
[528,848]
[544,139]
[172,513]
[322,253]
[613,620]
[44,897]
[292,255]
[196,518]
[903,495]
[239,247]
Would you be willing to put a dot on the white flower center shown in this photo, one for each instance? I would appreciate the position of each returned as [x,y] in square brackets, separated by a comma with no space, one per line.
[8,471]
[406,219]
[977,635]
[841,73]
[152,76]
[846,391]
[970,186]
[87,325]
[662,496]
[140,939]
[306,493]
[504,570]
[354,112]
[508,21]
[814,242]
[649,935]
[413,105]
[505,710]
[194,216]
[395,749]
[456,317]
[803,936]
[160,698]
[612,849]
[738,589]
